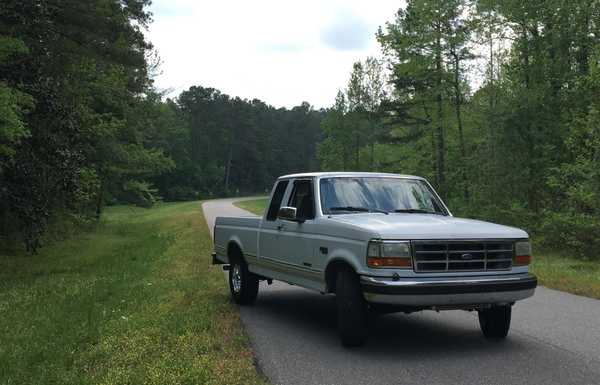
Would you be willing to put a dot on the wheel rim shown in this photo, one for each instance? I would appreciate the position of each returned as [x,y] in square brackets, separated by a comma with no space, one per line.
[236,278]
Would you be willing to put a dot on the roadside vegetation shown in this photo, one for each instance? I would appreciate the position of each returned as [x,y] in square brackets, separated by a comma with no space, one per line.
[255,206]
[521,148]
[83,127]
[496,103]
[574,275]
[134,301]
[571,274]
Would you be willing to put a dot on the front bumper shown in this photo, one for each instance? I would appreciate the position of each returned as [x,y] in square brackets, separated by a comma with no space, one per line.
[449,291]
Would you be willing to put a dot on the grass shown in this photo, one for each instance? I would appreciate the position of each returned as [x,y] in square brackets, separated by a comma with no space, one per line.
[256,206]
[573,275]
[135,301]
[568,274]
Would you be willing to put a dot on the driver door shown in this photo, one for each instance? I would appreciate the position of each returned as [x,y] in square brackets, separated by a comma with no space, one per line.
[297,236]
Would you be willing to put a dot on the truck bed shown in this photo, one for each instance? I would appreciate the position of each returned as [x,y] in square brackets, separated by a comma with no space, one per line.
[246,235]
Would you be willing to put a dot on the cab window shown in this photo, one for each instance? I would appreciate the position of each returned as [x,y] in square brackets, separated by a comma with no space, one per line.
[302,198]
[276,200]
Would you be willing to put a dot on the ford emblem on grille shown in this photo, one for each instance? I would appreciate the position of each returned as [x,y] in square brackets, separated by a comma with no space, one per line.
[466,257]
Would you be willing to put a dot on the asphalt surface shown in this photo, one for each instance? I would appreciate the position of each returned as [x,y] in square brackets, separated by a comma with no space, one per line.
[554,339]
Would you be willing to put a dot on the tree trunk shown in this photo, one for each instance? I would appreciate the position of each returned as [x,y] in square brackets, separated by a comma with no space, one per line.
[461,138]
[346,156]
[228,168]
[373,156]
[372,143]
[99,201]
[440,166]
[526,58]
[492,116]
[357,151]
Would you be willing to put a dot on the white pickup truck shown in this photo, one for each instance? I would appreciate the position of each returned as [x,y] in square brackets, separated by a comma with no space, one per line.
[380,243]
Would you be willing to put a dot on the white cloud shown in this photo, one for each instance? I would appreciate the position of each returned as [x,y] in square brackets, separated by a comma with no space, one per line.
[282,52]
[347,31]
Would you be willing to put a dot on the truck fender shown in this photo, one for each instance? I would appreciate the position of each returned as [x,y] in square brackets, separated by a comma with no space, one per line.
[234,241]
[340,258]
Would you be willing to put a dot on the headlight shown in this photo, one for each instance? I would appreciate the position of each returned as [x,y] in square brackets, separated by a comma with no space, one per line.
[522,253]
[389,254]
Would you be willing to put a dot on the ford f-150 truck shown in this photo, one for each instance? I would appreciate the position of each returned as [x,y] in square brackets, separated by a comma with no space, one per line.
[380,243]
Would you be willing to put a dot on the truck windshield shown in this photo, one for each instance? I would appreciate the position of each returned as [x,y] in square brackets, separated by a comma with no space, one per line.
[343,195]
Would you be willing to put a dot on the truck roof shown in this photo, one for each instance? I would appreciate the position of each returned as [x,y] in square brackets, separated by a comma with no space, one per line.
[347,174]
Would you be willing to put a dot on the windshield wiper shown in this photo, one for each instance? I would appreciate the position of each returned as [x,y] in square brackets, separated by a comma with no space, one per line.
[360,209]
[416,211]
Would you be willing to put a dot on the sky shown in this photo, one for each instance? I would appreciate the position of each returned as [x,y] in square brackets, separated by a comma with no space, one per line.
[280,51]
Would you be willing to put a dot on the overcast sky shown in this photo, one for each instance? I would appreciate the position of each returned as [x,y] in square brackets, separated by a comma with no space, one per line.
[282,52]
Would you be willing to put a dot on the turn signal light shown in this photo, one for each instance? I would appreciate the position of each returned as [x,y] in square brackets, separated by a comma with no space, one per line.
[389,262]
[389,254]
[522,260]
[522,253]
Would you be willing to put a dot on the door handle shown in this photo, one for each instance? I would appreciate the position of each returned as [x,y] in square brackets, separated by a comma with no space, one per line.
[280,227]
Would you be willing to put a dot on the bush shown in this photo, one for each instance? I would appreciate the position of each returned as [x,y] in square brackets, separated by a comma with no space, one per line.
[181,193]
[140,194]
[574,232]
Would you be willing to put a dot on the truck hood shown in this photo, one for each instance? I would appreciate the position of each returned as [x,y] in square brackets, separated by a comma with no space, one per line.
[427,226]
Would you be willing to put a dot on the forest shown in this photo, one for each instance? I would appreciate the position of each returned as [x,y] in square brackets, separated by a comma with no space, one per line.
[497,103]
[82,126]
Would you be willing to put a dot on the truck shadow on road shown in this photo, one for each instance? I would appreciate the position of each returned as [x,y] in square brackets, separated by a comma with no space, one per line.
[294,334]
[311,318]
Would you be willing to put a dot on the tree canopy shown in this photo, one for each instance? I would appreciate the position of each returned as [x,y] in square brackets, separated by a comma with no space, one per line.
[523,148]
[497,103]
[81,124]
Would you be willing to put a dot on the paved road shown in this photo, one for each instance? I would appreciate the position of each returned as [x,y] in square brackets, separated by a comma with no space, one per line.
[554,339]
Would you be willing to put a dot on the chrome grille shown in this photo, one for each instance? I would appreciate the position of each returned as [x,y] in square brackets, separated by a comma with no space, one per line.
[450,256]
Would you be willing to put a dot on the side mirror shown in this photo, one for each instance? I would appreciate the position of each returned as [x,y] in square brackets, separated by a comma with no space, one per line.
[288,214]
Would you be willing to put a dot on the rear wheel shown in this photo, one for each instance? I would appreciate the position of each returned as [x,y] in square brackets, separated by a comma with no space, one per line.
[242,283]
[495,321]
[351,309]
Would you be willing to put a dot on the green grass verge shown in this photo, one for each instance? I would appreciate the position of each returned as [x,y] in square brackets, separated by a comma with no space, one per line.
[573,275]
[135,301]
[256,206]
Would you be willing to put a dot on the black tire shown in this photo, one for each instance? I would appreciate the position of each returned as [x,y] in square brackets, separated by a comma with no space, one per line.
[495,322]
[352,314]
[244,287]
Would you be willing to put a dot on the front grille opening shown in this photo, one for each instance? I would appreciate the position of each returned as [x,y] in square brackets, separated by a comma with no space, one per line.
[452,256]
[433,266]
[466,266]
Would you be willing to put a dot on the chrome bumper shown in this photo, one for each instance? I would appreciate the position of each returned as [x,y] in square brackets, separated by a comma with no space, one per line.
[449,291]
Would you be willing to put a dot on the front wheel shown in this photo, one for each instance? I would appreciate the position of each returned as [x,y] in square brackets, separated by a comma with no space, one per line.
[352,312]
[495,321]
[242,283]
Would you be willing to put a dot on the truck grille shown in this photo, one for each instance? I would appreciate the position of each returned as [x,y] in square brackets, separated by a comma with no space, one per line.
[450,256]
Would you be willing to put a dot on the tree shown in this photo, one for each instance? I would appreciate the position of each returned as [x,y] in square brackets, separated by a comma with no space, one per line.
[72,73]
[457,29]
[374,91]
[14,104]
[417,44]
[356,96]
[334,150]
[355,116]
[525,148]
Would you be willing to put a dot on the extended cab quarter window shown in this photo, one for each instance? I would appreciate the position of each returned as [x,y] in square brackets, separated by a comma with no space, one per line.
[302,199]
[276,200]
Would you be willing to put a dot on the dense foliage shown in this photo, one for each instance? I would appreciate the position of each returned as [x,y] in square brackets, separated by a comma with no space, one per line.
[522,149]
[81,125]
[235,146]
